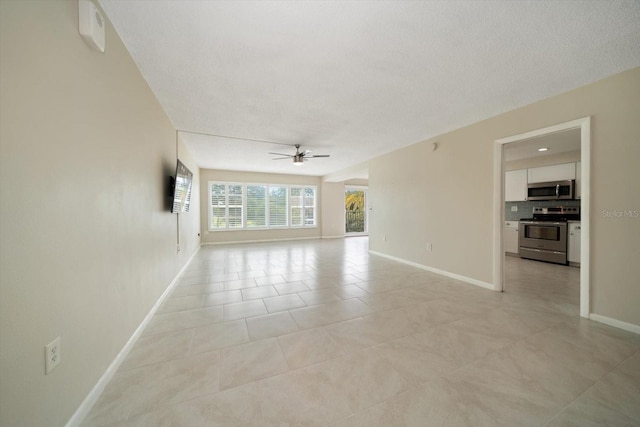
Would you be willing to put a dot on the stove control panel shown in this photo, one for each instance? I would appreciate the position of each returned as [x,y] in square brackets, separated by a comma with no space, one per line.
[556,210]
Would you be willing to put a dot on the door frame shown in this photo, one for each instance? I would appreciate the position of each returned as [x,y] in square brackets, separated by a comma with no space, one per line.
[584,124]
[365,189]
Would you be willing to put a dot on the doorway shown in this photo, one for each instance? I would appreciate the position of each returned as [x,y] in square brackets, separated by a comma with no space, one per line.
[355,211]
[584,124]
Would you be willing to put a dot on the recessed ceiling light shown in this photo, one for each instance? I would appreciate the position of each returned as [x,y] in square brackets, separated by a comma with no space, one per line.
[543,149]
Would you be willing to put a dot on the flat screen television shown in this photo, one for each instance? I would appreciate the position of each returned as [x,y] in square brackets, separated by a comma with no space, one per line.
[182,189]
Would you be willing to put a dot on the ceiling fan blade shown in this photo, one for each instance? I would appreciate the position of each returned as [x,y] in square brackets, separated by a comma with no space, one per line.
[300,155]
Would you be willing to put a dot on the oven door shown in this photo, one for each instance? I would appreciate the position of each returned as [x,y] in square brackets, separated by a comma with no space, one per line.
[543,235]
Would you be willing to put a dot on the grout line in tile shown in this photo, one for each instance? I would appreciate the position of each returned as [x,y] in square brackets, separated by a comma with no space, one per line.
[193,334]
[171,331]
[374,312]
[594,383]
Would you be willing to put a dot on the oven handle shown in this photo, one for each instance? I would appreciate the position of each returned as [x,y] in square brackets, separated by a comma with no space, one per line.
[542,223]
[541,250]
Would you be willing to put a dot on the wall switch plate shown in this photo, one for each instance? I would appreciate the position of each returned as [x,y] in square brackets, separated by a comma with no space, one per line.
[429,247]
[514,209]
[52,355]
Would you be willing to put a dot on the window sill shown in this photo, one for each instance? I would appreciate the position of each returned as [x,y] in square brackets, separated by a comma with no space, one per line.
[308,227]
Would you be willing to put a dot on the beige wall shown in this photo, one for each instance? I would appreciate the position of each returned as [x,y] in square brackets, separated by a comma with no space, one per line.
[88,244]
[445,196]
[355,172]
[189,222]
[333,209]
[215,237]
[360,182]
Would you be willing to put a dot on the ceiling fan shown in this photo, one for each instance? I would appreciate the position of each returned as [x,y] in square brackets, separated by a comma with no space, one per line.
[299,157]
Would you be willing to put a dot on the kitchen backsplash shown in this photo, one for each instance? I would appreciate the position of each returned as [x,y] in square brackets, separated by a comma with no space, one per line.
[525,209]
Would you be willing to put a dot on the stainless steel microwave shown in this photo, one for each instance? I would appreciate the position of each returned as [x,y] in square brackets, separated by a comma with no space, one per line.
[554,190]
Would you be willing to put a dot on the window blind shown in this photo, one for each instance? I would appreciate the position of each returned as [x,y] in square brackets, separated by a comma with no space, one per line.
[296,206]
[277,206]
[218,199]
[261,206]
[256,206]
[235,203]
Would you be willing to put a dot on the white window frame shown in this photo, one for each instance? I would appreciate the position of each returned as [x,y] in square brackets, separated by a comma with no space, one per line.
[286,208]
[267,206]
[305,207]
[245,204]
[226,206]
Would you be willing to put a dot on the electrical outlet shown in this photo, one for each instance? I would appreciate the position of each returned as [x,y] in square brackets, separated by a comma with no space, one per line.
[429,247]
[52,355]
[514,209]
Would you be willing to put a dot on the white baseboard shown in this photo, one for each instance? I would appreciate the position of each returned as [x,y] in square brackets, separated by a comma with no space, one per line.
[334,237]
[595,317]
[615,323]
[437,271]
[91,399]
[237,242]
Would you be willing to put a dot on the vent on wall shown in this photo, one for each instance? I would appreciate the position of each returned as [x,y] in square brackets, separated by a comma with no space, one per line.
[91,24]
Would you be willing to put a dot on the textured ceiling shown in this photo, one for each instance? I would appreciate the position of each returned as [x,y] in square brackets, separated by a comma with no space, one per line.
[359,79]
[556,143]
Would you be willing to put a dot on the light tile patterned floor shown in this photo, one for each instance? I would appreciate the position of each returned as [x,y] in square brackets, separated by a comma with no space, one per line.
[320,333]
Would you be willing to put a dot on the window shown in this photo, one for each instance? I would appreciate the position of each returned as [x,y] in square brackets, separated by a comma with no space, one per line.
[256,206]
[302,202]
[261,206]
[226,206]
[218,200]
[278,206]
[235,206]
[295,202]
[309,206]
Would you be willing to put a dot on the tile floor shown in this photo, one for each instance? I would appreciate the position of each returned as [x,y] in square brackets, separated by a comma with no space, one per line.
[320,333]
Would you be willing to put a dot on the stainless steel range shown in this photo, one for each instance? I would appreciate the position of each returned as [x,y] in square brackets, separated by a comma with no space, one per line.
[544,237]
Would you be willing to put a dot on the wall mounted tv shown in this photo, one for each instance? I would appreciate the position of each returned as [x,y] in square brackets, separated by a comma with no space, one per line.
[181,189]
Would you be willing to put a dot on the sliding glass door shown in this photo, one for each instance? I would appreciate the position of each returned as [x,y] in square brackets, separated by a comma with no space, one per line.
[355,206]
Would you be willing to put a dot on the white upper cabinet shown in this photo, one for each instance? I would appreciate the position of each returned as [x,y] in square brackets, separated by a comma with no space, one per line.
[515,186]
[552,173]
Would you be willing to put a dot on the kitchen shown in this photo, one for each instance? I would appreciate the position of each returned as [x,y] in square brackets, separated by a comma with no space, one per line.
[541,233]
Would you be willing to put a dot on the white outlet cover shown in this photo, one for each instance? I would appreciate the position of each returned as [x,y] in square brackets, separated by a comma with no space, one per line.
[52,355]
[514,209]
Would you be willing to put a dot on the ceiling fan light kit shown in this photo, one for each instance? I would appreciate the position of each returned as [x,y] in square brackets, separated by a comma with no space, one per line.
[298,157]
